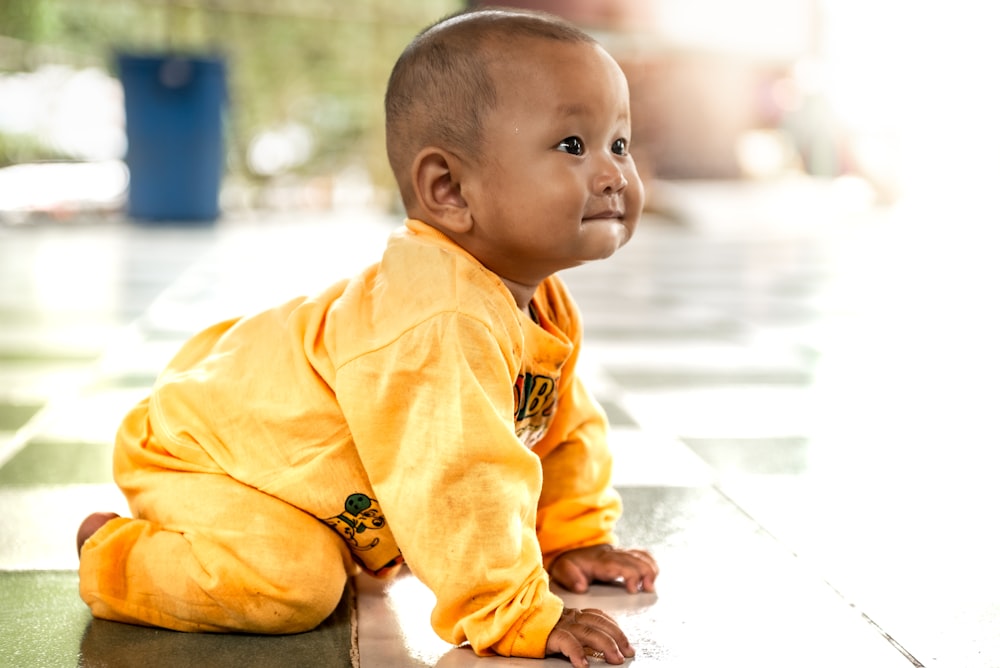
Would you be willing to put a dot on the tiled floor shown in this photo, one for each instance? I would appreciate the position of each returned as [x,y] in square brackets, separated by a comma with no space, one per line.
[803,403]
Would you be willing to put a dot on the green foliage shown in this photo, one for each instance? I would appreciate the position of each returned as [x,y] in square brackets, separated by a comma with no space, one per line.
[19,148]
[319,63]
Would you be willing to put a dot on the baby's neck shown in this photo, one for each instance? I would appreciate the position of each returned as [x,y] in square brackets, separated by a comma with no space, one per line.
[522,294]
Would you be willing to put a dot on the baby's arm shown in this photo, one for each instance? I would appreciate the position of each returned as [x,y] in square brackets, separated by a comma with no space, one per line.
[442,448]
[576,569]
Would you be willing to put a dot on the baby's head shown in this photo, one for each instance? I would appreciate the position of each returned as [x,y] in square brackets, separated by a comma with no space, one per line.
[509,132]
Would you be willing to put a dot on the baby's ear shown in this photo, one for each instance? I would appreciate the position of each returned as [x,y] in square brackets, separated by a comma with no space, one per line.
[438,191]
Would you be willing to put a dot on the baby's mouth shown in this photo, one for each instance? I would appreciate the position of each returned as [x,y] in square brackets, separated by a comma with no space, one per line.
[606,214]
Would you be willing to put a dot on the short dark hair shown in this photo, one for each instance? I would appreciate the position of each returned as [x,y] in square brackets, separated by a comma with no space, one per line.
[441,87]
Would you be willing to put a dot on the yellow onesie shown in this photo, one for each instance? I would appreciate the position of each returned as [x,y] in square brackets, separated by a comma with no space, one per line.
[412,411]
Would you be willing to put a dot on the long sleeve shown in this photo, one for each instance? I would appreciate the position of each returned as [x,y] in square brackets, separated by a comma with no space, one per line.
[577,506]
[425,350]
[431,418]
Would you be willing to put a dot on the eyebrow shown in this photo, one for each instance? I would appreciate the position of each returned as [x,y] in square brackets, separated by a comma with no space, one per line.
[579,109]
[574,109]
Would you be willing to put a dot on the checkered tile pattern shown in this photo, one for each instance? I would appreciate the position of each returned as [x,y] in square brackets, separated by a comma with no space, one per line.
[802,409]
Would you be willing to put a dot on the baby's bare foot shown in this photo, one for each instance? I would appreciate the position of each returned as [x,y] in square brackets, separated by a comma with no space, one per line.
[90,525]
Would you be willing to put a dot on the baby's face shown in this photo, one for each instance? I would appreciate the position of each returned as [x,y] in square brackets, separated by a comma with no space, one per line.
[555,185]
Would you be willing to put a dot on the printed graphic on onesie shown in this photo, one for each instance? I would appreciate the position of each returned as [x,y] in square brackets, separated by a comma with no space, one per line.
[363,526]
[534,403]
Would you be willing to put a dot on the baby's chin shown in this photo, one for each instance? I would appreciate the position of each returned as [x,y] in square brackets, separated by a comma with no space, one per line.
[605,236]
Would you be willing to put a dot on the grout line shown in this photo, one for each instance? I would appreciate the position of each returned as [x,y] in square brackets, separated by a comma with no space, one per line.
[815,571]
[892,641]
[22,436]
[351,593]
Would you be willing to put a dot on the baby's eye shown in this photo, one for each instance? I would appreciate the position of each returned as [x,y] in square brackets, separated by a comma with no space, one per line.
[619,147]
[571,145]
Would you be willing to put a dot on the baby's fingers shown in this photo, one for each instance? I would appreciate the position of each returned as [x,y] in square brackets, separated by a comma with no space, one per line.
[646,570]
[582,633]
[599,620]
[568,574]
[636,569]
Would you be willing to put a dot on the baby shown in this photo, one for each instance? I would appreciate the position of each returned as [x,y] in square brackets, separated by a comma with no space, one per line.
[427,409]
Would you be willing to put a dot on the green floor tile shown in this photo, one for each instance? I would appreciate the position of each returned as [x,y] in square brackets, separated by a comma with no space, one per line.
[111,644]
[789,455]
[125,381]
[617,415]
[14,416]
[59,463]
[644,379]
[44,624]
[41,620]
[48,357]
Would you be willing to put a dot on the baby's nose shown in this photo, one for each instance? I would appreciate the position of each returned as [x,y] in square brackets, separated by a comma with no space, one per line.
[611,179]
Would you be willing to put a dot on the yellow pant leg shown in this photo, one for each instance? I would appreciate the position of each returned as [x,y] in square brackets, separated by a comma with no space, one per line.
[208,553]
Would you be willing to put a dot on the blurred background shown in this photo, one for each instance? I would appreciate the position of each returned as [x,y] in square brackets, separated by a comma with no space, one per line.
[806,322]
[876,99]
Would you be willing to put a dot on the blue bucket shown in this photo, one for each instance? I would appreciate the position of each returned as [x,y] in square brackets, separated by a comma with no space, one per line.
[174,108]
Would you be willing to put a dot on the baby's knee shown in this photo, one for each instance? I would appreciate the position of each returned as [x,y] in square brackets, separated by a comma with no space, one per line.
[294,610]
[297,597]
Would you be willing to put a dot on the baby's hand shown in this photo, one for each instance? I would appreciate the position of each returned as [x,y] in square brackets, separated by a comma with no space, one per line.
[582,633]
[576,569]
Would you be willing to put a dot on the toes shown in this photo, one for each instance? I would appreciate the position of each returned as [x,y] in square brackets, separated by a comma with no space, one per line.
[90,525]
